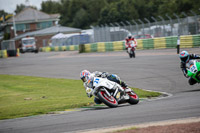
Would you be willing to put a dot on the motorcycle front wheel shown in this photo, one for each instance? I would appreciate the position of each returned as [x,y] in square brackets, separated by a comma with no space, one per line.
[109,101]
[133,97]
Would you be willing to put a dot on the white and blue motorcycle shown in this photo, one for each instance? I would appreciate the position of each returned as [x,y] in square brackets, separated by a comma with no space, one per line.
[109,92]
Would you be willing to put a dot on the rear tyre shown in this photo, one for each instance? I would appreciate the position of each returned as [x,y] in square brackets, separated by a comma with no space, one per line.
[109,101]
[133,97]
[133,54]
[130,55]
[192,81]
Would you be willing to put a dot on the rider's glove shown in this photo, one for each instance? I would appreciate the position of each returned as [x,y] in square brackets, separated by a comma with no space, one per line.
[104,74]
[186,75]
[181,65]
[123,84]
[195,56]
[89,92]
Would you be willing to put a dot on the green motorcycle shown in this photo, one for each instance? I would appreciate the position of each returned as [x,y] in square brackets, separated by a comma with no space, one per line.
[193,70]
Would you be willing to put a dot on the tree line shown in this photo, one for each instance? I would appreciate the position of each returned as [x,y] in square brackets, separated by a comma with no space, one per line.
[85,13]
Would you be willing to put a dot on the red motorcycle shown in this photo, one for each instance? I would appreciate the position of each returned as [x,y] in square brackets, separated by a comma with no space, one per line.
[131,49]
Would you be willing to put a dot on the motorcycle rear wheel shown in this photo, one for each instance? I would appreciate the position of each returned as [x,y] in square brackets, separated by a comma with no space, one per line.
[130,55]
[109,101]
[133,54]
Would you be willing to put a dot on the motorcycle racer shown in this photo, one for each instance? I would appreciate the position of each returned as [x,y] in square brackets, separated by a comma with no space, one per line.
[185,57]
[85,76]
[128,40]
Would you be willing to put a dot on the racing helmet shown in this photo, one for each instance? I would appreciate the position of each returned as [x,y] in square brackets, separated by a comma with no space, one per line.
[84,75]
[129,36]
[184,56]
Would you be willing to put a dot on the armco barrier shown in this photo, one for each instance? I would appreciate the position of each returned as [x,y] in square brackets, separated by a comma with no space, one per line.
[147,44]
[117,46]
[3,54]
[188,41]
[196,40]
[59,48]
[159,43]
[171,42]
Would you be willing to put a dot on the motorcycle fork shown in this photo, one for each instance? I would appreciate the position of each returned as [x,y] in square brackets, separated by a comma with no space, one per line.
[115,92]
[122,93]
[107,92]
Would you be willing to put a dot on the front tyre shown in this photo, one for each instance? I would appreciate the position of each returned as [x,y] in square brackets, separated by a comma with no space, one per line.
[109,101]
[133,97]
[133,54]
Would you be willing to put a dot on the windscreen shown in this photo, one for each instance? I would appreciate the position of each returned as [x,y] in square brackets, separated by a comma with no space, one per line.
[190,63]
[28,42]
[90,82]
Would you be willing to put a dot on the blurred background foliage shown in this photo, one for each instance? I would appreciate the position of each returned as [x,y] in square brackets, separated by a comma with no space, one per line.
[84,13]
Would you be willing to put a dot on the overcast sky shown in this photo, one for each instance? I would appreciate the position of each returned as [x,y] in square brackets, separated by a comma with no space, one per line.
[10,5]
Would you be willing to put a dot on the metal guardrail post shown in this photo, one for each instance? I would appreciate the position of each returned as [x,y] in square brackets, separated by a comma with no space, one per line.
[130,26]
[99,33]
[103,36]
[170,19]
[136,25]
[113,28]
[155,21]
[123,23]
[92,39]
[142,26]
[106,33]
[196,25]
[163,24]
[187,22]
[124,26]
[118,38]
[112,25]
[179,33]
[149,25]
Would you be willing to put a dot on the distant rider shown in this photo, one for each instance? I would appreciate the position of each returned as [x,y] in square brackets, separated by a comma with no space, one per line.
[128,40]
[85,75]
[185,57]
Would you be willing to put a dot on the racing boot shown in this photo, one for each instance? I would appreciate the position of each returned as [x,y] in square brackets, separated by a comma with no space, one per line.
[125,87]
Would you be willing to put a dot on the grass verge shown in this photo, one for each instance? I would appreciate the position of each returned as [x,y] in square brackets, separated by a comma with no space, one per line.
[22,96]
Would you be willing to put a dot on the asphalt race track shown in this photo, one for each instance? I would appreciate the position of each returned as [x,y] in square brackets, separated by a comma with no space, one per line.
[157,70]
